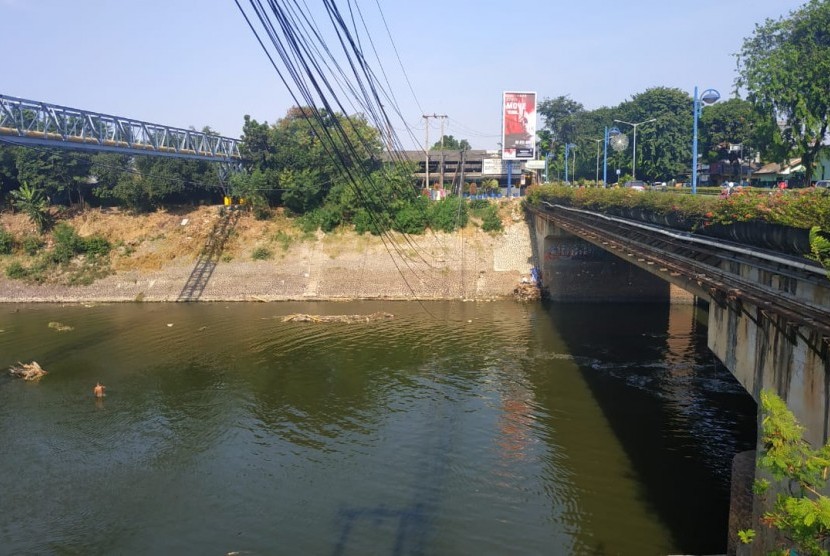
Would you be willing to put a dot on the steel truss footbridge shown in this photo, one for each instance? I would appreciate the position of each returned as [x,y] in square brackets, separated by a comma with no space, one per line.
[30,122]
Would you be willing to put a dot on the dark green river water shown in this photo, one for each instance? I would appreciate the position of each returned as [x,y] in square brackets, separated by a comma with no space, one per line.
[455,428]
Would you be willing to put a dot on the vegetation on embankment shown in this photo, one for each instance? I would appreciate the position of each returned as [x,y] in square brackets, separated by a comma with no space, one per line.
[80,246]
[806,209]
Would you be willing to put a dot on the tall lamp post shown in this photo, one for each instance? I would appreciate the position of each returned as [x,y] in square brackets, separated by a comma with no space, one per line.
[709,96]
[568,148]
[634,150]
[608,134]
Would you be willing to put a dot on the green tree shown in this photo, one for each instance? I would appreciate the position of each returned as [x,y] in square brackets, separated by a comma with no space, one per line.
[785,68]
[730,122]
[307,157]
[560,117]
[8,170]
[663,147]
[60,175]
[450,143]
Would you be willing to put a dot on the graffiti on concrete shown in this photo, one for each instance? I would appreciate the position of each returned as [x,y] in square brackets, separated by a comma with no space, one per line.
[573,249]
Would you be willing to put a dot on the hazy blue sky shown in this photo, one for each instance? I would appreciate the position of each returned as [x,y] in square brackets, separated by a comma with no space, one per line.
[189,62]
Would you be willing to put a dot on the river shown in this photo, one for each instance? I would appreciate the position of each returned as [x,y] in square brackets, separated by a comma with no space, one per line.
[453,428]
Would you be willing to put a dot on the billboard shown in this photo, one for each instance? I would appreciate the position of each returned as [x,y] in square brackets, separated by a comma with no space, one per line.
[518,130]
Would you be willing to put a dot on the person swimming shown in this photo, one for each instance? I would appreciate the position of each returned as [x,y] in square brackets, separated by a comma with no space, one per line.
[99,390]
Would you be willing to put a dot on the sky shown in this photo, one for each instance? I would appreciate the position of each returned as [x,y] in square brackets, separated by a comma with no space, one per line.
[197,63]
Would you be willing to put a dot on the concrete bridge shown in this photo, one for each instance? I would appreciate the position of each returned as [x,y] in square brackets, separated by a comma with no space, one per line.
[769,310]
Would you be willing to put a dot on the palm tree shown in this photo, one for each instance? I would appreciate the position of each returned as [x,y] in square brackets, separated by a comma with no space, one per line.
[31,201]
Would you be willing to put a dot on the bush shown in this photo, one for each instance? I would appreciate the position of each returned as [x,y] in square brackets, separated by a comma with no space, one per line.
[262,254]
[96,246]
[6,242]
[448,214]
[491,222]
[17,271]
[31,245]
[411,219]
[67,243]
[479,204]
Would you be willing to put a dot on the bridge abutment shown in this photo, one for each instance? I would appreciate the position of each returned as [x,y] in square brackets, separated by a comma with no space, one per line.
[575,270]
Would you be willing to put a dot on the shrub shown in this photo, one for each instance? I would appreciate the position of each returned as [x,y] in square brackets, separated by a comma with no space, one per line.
[411,219]
[284,239]
[17,271]
[801,512]
[479,204]
[448,214]
[96,246]
[262,254]
[31,245]
[67,243]
[491,222]
[6,242]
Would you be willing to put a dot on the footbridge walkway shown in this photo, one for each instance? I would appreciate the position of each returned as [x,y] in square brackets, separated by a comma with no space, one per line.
[25,122]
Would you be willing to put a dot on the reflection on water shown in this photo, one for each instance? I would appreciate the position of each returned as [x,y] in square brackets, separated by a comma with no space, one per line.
[470,428]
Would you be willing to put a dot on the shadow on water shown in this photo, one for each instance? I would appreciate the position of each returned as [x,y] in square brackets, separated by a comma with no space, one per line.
[679,422]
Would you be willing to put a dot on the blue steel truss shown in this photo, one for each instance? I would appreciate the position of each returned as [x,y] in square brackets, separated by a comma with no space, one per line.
[30,122]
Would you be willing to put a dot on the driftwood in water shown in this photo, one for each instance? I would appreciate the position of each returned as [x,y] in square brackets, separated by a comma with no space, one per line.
[27,371]
[348,319]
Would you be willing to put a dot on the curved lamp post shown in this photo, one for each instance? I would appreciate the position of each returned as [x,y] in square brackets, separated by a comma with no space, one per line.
[709,96]
[634,150]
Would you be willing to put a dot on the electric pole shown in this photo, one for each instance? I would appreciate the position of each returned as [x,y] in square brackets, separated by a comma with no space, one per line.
[426,145]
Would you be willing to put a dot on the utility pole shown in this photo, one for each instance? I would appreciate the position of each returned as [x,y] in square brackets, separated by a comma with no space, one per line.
[443,117]
[426,118]
[426,150]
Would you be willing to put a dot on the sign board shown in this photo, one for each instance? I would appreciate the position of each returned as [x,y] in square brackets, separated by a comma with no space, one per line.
[495,167]
[535,165]
[518,130]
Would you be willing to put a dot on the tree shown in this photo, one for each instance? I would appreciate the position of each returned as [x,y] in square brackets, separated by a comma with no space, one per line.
[560,117]
[785,68]
[30,200]
[450,143]
[730,122]
[306,157]
[57,173]
[663,147]
[8,170]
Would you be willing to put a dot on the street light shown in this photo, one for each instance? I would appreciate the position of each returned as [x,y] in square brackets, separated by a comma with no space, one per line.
[568,148]
[596,180]
[709,96]
[634,150]
[608,134]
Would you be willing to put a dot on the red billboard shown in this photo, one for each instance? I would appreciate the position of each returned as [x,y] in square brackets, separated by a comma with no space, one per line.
[518,130]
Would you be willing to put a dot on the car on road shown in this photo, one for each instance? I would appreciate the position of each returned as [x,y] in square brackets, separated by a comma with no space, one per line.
[636,185]
[823,184]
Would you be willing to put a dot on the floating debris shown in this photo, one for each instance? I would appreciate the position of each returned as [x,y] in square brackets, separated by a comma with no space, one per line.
[60,327]
[348,319]
[27,371]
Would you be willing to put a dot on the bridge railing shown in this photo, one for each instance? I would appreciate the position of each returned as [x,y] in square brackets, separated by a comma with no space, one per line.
[29,122]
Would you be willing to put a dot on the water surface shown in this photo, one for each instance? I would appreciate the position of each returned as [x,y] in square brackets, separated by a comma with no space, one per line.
[455,428]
